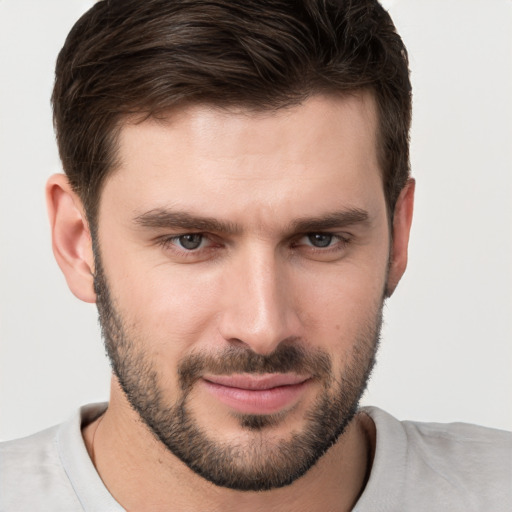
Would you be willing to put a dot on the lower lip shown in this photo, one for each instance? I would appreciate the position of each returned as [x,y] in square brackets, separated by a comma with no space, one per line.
[257,401]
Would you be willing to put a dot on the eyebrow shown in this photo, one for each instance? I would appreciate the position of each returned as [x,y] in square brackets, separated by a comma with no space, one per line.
[338,219]
[164,218]
[170,219]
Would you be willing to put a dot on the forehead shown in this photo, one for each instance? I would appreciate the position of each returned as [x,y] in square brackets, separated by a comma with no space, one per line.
[200,157]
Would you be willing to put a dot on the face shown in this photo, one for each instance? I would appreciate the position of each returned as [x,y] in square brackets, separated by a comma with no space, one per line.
[241,264]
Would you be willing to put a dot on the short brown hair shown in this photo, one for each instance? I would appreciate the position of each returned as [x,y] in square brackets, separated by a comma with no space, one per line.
[126,57]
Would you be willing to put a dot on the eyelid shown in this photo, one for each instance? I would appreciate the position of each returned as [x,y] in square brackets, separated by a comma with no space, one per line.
[336,249]
[340,237]
[168,241]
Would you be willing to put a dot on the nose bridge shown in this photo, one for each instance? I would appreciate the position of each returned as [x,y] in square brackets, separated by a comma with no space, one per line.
[259,310]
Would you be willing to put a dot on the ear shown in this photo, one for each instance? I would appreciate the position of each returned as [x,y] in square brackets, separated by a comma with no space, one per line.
[71,237]
[402,221]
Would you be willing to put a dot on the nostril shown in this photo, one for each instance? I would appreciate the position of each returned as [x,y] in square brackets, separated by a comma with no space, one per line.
[235,342]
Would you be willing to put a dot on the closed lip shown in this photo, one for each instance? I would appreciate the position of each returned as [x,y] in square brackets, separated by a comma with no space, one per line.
[256,382]
[257,394]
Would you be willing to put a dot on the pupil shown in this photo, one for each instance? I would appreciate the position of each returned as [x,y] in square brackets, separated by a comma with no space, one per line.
[320,239]
[192,241]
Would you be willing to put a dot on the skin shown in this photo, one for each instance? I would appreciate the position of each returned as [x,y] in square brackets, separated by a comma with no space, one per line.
[255,287]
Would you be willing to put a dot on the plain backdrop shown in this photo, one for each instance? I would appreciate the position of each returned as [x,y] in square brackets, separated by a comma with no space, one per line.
[446,353]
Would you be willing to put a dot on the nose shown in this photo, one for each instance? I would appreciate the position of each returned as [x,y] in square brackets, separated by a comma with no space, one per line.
[259,306]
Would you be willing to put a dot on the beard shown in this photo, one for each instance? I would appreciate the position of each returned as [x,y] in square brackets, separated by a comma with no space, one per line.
[263,461]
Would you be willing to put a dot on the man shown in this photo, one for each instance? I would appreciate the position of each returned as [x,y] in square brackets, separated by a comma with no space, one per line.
[237,202]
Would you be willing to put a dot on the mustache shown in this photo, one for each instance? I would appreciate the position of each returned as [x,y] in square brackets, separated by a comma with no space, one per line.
[234,359]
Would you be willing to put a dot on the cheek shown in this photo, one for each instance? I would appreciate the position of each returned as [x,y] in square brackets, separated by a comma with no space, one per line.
[343,306]
[168,307]
[175,305]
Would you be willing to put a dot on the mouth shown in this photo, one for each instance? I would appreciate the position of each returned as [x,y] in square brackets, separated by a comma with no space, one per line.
[257,394]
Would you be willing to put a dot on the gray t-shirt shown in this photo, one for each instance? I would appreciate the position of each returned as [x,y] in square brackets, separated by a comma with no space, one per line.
[417,467]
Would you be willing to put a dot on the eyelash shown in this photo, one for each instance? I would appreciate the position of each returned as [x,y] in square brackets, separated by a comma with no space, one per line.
[340,243]
[169,243]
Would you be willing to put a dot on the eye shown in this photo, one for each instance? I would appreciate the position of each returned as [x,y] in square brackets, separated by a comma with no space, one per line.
[190,241]
[323,246]
[320,239]
[191,247]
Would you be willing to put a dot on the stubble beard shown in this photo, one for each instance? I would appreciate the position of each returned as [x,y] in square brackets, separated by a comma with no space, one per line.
[265,462]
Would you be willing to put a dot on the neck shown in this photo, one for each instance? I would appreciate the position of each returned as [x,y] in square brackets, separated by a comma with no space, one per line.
[143,475]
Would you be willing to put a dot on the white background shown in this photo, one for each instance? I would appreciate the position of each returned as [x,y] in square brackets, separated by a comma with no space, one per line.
[446,353]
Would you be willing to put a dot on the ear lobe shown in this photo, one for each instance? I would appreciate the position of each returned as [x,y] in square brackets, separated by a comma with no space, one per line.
[402,221]
[71,238]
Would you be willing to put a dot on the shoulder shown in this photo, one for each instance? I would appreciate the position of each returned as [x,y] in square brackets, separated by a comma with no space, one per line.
[51,470]
[460,443]
[21,455]
[435,466]
[32,476]
[470,462]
